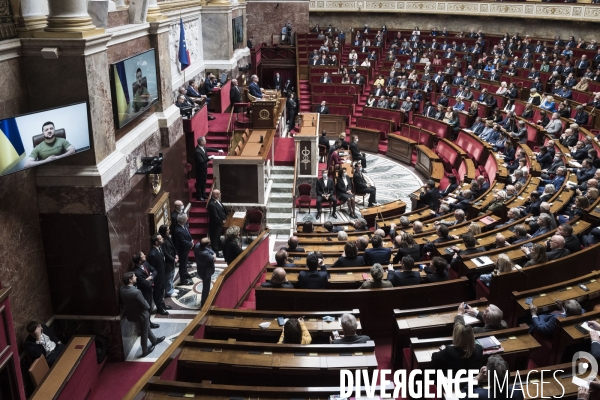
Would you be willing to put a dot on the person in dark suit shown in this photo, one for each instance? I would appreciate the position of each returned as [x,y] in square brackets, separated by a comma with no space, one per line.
[292,246]
[146,275]
[201,159]
[356,154]
[235,95]
[439,270]
[277,82]
[137,310]
[325,78]
[322,109]
[278,280]
[156,258]
[406,276]
[291,106]
[325,191]
[205,259]
[378,254]
[344,192]
[178,210]
[253,87]
[545,324]
[361,185]
[491,317]
[572,243]
[217,214]
[183,243]
[323,141]
[170,252]
[41,341]
[350,258]
[231,247]
[312,279]
[464,353]
[430,196]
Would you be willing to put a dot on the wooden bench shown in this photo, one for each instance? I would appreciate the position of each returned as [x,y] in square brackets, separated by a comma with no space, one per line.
[249,363]
[377,303]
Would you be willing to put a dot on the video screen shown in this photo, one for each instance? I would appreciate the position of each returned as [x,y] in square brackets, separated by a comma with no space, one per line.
[238,32]
[38,138]
[134,86]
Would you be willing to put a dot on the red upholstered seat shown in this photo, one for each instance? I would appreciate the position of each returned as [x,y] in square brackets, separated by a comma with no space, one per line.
[303,196]
[254,222]
[481,290]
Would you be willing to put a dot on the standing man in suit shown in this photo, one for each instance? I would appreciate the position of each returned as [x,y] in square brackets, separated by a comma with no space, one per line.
[145,274]
[171,257]
[235,95]
[137,310]
[322,109]
[178,210]
[205,260]
[217,214]
[253,87]
[361,185]
[277,82]
[183,244]
[326,191]
[156,258]
[201,159]
[356,154]
[312,279]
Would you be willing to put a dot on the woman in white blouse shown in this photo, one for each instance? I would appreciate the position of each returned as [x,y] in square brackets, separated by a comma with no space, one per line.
[353,55]
[366,63]
[502,89]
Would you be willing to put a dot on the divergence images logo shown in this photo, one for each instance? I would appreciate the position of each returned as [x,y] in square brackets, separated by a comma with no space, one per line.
[582,363]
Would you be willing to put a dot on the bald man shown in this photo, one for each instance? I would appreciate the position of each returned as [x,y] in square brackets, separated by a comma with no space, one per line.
[278,280]
[178,210]
[556,245]
[217,214]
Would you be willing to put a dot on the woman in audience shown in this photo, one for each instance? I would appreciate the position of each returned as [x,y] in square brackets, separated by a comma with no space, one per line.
[413,75]
[436,59]
[366,63]
[527,112]
[537,255]
[548,104]
[473,109]
[353,55]
[592,195]
[380,81]
[448,114]
[452,185]
[544,119]
[346,78]
[454,122]
[231,247]
[509,152]
[344,191]
[521,164]
[502,89]
[577,209]
[437,271]
[439,113]
[548,192]
[462,354]
[497,116]
[391,56]
[503,264]
[343,71]
[350,258]
[371,101]
[545,67]
[294,332]
[510,105]
[406,247]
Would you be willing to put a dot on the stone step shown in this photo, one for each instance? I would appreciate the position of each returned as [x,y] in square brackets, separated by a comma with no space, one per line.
[283,187]
[282,169]
[279,196]
[279,218]
[280,229]
[289,179]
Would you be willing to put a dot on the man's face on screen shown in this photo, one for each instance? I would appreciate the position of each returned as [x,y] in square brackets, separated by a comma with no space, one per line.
[48,131]
[138,77]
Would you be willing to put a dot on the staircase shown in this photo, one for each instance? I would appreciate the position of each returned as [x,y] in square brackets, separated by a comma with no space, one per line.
[279,205]
[305,104]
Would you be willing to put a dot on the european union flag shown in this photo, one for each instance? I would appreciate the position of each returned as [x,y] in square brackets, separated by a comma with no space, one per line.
[11,145]
[184,54]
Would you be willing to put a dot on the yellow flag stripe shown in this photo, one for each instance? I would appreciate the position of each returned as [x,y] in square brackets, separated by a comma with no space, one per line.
[8,155]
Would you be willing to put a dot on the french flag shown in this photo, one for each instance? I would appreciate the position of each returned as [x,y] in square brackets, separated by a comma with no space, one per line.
[184,54]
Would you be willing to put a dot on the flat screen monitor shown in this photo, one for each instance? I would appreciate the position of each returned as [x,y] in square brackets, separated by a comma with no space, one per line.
[41,137]
[238,32]
[134,86]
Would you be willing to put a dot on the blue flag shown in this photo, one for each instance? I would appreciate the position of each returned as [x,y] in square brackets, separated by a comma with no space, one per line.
[184,54]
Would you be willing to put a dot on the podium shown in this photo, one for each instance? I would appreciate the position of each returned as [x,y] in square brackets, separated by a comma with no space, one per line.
[263,114]
[307,146]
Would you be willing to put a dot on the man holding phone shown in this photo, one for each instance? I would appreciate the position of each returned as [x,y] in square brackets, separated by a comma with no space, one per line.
[349,326]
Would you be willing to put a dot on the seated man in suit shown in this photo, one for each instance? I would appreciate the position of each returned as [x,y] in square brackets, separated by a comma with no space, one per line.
[322,109]
[361,185]
[406,276]
[376,280]
[331,228]
[544,323]
[312,279]
[325,78]
[325,191]
[443,236]
[356,154]
[555,248]
[41,341]
[377,254]
[491,317]
[349,326]
[278,280]
[282,260]
[323,141]
[253,87]
[293,246]
[430,196]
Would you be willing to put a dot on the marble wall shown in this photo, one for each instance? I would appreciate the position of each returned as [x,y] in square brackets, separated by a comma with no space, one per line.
[193,38]
[22,264]
[499,25]
[160,41]
[217,27]
[127,49]
[268,17]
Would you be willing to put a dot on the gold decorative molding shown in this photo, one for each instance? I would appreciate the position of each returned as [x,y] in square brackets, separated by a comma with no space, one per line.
[561,11]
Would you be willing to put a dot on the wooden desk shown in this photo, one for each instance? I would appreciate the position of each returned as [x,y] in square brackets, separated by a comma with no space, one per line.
[62,381]
[251,149]
[255,136]
[230,221]
[386,210]
[566,389]
[232,362]
[243,325]
[516,350]
[426,323]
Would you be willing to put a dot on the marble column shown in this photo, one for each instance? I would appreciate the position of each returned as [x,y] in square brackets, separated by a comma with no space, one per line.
[33,17]
[154,13]
[120,4]
[69,18]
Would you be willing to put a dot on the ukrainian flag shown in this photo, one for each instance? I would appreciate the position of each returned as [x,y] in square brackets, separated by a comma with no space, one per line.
[121,91]
[11,145]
